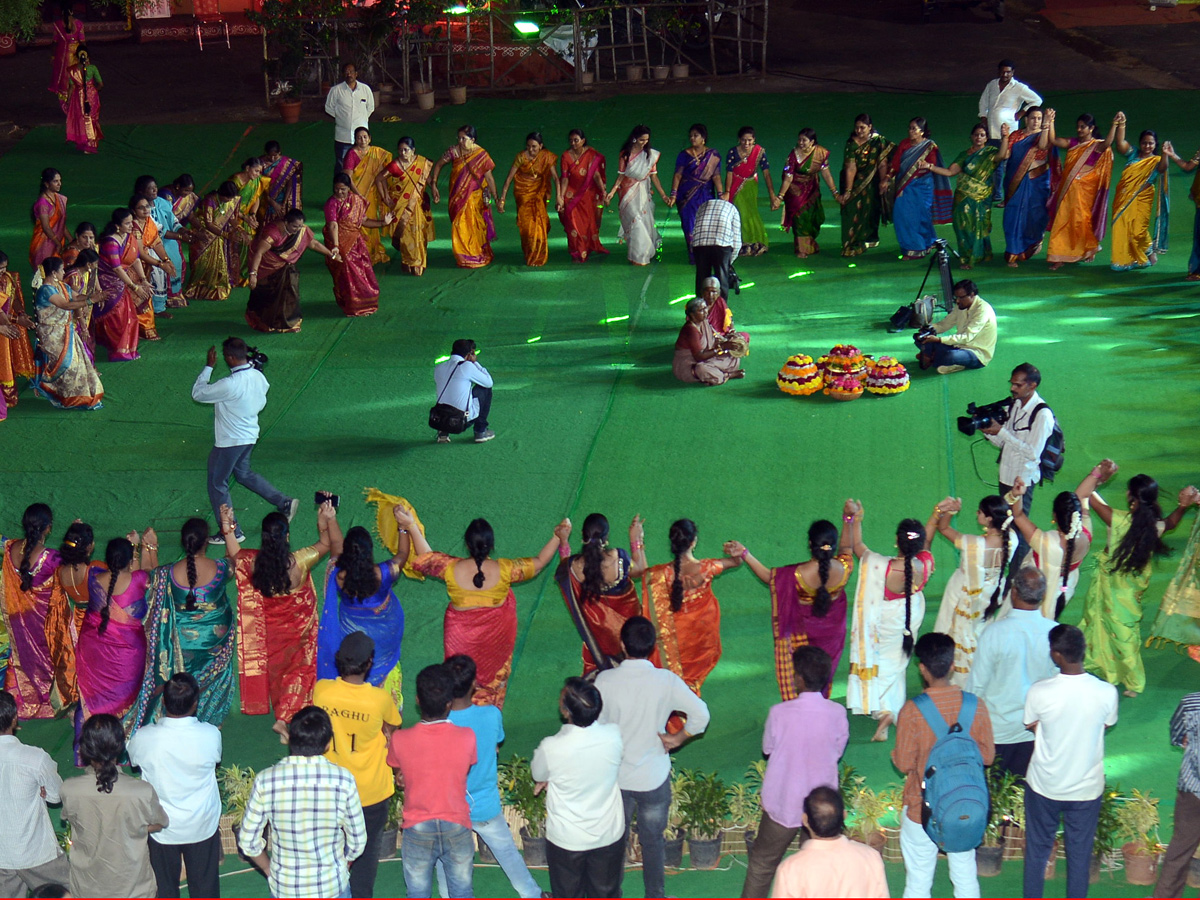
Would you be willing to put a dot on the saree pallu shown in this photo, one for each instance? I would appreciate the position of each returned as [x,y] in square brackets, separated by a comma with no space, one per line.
[743,190]
[182,208]
[115,318]
[363,170]
[471,227]
[1027,195]
[689,639]
[695,188]
[30,677]
[286,176]
[1079,207]
[16,354]
[64,621]
[965,599]
[533,186]
[637,208]
[598,619]
[582,202]
[239,239]
[412,240]
[164,217]
[274,303]
[277,646]
[862,210]
[921,200]
[111,664]
[1112,615]
[66,375]
[66,46]
[794,625]
[355,287]
[380,617]
[209,279]
[83,127]
[42,246]
[973,205]
[1178,620]
[803,212]
[1141,214]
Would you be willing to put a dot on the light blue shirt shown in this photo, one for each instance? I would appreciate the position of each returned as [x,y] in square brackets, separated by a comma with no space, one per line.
[1013,653]
[483,792]
[457,392]
[239,398]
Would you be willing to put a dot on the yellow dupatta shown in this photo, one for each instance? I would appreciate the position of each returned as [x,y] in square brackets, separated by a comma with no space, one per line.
[388,531]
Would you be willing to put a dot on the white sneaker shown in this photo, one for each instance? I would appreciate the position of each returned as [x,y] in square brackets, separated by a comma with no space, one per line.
[293,508]
[443,438]
[950,370]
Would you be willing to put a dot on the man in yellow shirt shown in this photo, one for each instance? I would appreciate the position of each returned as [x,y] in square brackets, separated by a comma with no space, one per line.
[364,718]
[965,339]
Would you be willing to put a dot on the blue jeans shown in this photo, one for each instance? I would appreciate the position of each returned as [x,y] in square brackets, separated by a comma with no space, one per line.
[434,841]
[652,807]
[1079,834]
[945,355]
[495,833]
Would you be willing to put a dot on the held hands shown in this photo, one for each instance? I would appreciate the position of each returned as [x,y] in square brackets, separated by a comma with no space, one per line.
[500,204]
[388,218]
[562,531]
[637,533]
[403,517]
[228,526]
[1108,469]
[150,536]
[852,509]
[1189,496]
[733,549]
[325,512]
[434,195]
[951,505]
[133,538]
[1018,489]
[1119,118]
[1050,114]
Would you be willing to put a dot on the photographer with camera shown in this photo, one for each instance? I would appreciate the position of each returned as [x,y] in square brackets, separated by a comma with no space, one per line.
[239,398]
[964,339]
[464,394]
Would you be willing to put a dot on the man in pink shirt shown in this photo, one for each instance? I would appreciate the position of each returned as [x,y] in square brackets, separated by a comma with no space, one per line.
[830,864]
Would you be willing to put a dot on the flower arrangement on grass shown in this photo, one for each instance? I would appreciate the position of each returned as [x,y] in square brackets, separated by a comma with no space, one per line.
[887,376]
[799,376]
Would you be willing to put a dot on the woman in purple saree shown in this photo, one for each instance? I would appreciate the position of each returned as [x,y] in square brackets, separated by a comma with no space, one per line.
[697,180]
[30,589]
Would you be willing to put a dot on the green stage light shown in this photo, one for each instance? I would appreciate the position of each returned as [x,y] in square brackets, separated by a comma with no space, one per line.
[527,28]
[748,284]
[680,299]
[440,359]
[799,274]
[855,265]
[612,319]
[456,10]
[534,339]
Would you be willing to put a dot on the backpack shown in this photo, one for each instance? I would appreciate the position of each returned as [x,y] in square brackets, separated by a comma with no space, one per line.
[954,789]
[1051,462]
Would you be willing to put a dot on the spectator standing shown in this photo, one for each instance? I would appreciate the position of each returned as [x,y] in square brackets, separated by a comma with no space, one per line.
[585,824]
[463,383]
[363,719]
[1185,834]
[29,852]
[178,756]
[1003,102]
[829,864]
[1067,715]
[966,338]
[432,760]
[716,240]
[803,740]
[314,812]
[639,699]
[351,104]
[914,741]
[1014,654]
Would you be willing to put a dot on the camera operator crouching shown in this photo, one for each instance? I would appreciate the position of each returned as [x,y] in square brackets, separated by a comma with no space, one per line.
[965,339]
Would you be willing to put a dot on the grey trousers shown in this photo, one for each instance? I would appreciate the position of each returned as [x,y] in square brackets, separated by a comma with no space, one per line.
[224,462]
[18,882]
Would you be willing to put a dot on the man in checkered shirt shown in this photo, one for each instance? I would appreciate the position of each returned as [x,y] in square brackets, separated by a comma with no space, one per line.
[716,239]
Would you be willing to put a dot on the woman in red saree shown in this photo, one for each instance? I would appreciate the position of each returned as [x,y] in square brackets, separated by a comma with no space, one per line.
[355,287]
[115,317]
[49,220]
[532,177]
[16,353]
[481,620]
[274,302]
[82,104]
[582,194]
[30,590]
[742,166]
[1079,202]
[68,35]
[471,184]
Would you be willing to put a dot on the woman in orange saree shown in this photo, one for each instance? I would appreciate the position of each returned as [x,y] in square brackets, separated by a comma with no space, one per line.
[364,164]
[355,287]
[582,194]
[403,184]
[153,257]
[30,591]
[49,220]
[1079,203]
[16,353]
[1141,204]
[64,621]
[532,177]
[471,184]
[481,620]
[115,317]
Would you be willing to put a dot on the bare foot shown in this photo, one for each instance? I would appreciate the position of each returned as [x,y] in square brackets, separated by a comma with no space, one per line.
[1153,258]
[738,374]
[1130,694]
[1054,267]
[1012,264]
[1195,276]
[881,733]
[280,728]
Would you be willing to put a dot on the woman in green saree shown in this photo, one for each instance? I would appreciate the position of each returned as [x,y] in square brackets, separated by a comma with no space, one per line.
[1178,620]
[866,151]
[973,196]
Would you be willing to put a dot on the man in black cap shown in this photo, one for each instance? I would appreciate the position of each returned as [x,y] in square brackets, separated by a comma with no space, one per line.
[363,717]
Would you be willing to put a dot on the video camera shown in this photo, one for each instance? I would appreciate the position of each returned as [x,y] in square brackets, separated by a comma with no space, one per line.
[978,417]
[256,358]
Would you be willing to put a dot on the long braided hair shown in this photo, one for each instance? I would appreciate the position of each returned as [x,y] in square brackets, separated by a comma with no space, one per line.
[36,522]
[999,516]
[1142,540]
[480,541]
[682,535]
[595,541]
[271,576]
[910,540]
[1068,518]
[822,543]
[117,556]
[193,536]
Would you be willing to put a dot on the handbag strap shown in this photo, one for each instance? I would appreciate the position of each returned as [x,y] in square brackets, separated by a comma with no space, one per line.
[447,384]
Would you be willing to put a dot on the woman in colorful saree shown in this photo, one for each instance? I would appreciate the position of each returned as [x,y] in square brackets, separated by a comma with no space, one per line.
[171,233]
[182,197]
[82,105]
[697,180]
[155,264]
[977,586]
[115,319]
[49,220]
[64,621]
[214,226]
[30,591]
[867,154]
[1032,164]
[1141,205]
[364,164]
[274,302]
[800,193]
[701,355]
[1112,609]
[581,196]
[471,184]
[802,614]
[532,177]
[1057,554]
[190,627]
[973,196]
[1178,621]
[277,616]
[597,585]
[16,353]
[355,287]
[253,203]
[286,177]
[683,608]
[404,184]
[82,276]
[481,620]
[889,607]
[85,239]
[1079,203]
[742,166]
[66,375]
[67,35]
[637,170]
[920,197]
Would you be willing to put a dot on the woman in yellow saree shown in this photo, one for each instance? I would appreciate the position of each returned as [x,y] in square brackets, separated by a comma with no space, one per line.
[1079,204]
[532,177]
[364,164]
[213,224]
[403,183]
[252,187]
[1142,205]
[471,185]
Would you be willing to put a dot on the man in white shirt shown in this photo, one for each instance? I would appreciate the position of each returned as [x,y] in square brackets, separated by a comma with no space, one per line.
[238,398]
[463,383]
[972,342]
[29,851]
[1003,102]
[716,240]
[1067,715]
[1014,654]
[585,824]
[638,699]
[351,104]
[178,756]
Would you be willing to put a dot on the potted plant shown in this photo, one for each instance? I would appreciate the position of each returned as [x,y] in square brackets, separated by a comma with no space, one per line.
[19,19]
[704,811]
[1138,827]
[235,784]
[1108,825]
[745,801]
[517,791]
[288,101]
[390,839]
[868,808]
[673,850]
[989,855]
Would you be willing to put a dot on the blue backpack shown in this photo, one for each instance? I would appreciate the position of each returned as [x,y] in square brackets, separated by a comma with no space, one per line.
[955,805]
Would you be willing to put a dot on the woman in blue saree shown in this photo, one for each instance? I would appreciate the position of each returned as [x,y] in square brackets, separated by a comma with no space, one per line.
[697,180]
[1027,187]
[921,198]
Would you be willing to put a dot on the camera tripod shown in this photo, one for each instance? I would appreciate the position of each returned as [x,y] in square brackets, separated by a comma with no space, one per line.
[941,259]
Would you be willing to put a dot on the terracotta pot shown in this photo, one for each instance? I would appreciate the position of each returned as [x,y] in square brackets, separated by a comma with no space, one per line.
[877,840]
[424,100]
[533,849]
[1141,866]
[289,111]
[988,860]
[458,95]
[661,73]
[387,841]
[587,77]
[1014,842]
[680,70]
[704,854]
[635,73]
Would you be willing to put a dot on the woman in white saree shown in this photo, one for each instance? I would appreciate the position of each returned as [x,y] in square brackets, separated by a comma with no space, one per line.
[637,169]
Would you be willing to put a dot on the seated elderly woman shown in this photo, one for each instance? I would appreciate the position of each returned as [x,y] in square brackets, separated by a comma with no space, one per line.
[720,317]
[701,355]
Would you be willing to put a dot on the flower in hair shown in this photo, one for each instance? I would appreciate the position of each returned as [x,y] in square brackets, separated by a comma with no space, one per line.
[825,547]
[70,544]
[1076,528]
[913,535]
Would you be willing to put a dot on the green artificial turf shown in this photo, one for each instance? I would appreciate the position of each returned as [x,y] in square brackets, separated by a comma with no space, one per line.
[589,417]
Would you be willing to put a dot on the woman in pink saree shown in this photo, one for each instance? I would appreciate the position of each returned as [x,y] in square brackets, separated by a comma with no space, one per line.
[355,287]
[30,590]
[49,220]
[471,186]
[115,317]
[274,304]
[82,104]
[68,35]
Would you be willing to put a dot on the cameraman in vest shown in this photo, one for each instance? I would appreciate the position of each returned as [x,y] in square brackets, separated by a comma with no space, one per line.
[1021,440]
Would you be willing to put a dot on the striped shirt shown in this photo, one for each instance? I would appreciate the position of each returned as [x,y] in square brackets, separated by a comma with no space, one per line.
[317,826]
[1185,733]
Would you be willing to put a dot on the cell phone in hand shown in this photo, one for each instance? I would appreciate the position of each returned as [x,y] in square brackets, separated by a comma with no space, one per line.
[323,496]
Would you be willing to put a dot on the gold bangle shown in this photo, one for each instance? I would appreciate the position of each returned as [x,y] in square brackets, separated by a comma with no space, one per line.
[153,547]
